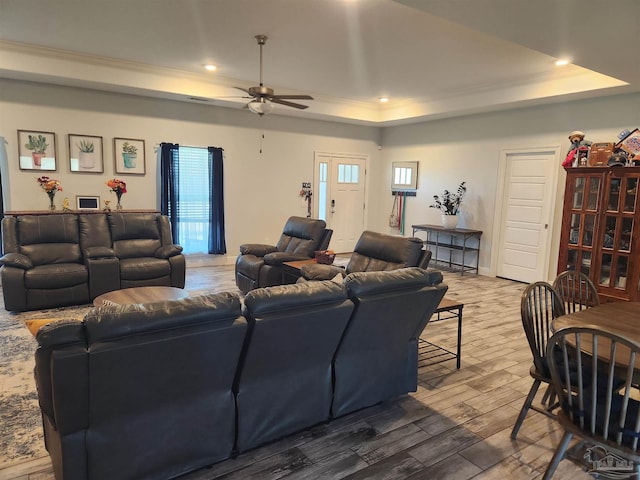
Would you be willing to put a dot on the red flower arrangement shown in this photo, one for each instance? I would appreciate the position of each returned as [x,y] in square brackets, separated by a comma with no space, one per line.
[49,185]
[117,186]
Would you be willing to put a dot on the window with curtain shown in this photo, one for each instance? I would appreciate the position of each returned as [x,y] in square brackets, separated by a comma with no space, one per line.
[192,196]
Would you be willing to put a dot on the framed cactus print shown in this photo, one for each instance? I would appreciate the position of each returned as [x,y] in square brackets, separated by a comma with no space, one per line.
[85,154]
[129,156]
[37,150]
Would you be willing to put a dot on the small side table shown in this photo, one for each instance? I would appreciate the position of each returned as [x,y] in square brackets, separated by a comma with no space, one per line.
[428,351]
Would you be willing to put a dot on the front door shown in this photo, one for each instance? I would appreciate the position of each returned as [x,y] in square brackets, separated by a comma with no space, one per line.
[340,199]
[524,238]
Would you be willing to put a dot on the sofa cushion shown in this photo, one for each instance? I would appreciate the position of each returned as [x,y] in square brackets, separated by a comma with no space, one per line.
[55,276]
[143,268]
[47,229]
[45,253]
[301,236]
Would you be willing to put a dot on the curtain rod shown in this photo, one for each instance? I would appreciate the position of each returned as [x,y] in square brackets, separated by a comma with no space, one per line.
[187,146]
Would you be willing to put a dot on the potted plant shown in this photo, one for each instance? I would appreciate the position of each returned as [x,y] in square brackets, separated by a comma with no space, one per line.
[38,146]
[129,155]
[86,157]
[449,205]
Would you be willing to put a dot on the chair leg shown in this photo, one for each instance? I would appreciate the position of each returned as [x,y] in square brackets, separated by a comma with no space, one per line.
[525,408]
[558,456]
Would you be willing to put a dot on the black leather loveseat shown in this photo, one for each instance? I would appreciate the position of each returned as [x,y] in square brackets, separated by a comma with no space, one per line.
[157,390]
[69,259]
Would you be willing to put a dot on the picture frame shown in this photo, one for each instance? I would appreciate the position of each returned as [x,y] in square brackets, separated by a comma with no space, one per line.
[85,153]
[129,156]
[84,202]
[37,150]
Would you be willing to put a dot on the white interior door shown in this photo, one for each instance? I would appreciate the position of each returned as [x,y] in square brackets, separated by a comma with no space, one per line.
[526,214]
[340,183]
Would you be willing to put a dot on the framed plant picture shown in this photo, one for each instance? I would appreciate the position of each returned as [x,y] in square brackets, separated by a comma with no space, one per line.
[85,153]
[129,156]
[37,150]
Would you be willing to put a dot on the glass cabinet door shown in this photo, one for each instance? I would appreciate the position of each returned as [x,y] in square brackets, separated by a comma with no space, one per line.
[583,220]
[616,232]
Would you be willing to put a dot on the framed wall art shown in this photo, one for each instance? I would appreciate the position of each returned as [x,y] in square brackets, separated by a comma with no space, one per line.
[37,150]
[129,156]
[85,153]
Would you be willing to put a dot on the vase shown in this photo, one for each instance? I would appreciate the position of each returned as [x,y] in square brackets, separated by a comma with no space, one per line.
[86,160]
[119,205]
[449,221]
[129,159]
[52,194]
[37,159]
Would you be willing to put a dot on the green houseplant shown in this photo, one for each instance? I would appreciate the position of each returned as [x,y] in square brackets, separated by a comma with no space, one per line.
[129,154]
[449,205]
[38,146]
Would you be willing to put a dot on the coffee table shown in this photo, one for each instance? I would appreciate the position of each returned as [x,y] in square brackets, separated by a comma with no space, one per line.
[129,296]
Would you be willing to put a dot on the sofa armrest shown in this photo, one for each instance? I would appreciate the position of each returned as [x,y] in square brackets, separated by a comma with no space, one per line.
[98,252]
[168,251]
[318,271]
[278,258]
[257,249]
[17,260]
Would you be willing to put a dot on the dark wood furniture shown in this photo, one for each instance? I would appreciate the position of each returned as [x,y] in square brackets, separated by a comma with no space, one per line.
[599,223]
[430,353]
[617,317]
[450,240]
[130,296]
[291,270]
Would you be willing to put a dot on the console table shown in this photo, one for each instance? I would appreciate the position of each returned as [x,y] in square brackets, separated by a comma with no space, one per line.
[451,240]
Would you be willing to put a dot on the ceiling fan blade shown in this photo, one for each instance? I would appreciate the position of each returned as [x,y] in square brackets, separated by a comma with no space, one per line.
[288,104]
[292,97]
[244,90]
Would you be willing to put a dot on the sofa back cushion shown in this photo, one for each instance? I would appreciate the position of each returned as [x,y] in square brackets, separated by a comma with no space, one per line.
[134,235]
[48,239]
[301,236]
[376,252]
[94,231]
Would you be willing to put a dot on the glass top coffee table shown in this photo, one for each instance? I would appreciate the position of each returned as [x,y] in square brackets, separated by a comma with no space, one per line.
[129,296]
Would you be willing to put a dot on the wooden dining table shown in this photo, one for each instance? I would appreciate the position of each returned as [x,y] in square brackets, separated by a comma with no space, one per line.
[621,318]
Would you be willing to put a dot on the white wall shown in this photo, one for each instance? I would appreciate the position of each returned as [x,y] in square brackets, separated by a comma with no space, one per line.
[468,148]
[261,189]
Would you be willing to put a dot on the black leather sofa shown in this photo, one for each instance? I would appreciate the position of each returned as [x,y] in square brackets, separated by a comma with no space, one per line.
[69,259]
[374,252]
[157,390]
[260,265]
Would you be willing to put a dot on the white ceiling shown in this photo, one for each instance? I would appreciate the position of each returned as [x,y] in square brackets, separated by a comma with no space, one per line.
[433,58]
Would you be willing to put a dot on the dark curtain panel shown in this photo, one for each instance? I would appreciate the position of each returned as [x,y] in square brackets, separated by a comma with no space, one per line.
[217,243]
[169,195]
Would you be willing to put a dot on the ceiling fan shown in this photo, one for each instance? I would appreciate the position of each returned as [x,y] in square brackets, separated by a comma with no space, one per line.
[263,97]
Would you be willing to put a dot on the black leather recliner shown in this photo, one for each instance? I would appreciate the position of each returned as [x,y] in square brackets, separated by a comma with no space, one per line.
[140,391]
[147,256]
[378,356]
[42,265]
[260,265]
[374,252]
[285,383]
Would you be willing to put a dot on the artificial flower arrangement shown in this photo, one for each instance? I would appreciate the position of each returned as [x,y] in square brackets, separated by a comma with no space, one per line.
[117,186]
[450,202]
[49,185]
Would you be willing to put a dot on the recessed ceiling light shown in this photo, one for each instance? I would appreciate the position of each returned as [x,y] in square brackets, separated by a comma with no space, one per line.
[209,67]
[561,62]
[383,99]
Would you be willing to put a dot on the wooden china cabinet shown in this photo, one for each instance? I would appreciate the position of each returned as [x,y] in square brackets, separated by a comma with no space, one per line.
[601,229]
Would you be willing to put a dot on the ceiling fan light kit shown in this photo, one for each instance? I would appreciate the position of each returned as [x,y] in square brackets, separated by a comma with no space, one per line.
[260,106]
[264,97]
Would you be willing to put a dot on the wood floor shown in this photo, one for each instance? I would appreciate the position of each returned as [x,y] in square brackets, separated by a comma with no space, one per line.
[456,426]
